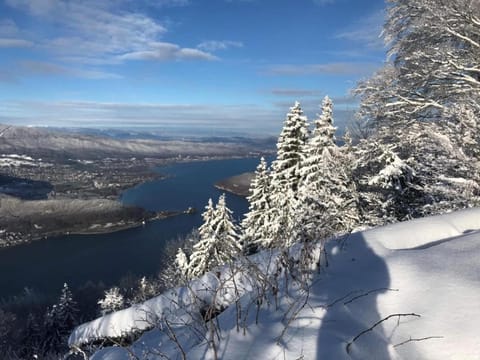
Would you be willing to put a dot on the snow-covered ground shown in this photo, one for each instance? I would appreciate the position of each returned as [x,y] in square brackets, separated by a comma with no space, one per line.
[14,160]
[427,271]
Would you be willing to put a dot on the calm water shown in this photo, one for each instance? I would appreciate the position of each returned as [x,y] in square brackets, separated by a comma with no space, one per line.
[45,265]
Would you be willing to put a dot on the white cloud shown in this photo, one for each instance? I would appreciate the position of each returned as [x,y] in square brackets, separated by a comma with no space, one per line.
[101,33]
[166,51]
[214,45]
[337,68]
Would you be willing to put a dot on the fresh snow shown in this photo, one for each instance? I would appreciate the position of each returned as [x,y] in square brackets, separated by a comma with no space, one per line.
[428,267]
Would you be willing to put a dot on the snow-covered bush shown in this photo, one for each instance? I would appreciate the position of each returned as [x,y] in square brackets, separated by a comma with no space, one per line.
[112,301]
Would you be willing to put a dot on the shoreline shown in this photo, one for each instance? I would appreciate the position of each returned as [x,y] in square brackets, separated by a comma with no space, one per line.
[16,238]
[100,230]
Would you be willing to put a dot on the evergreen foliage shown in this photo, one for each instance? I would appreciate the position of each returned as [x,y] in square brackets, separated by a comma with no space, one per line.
[292,139]
[256,224]
[327,196]
[59,320]
[218,243]
[286,178]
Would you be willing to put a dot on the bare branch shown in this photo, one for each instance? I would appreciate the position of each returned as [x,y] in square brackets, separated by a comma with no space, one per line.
[398,316]
[418,339]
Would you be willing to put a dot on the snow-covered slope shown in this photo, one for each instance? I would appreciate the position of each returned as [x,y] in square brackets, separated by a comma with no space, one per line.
[427,271]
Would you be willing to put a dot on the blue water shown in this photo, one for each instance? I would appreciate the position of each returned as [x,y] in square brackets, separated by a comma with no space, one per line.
[45,265]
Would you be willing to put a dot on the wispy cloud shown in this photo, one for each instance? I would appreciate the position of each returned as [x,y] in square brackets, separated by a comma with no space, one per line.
[101,33]
[10,35]
[46,68]
[162,51]
[338,68]
[207,117]
[14,43]
[103,114]
[29,68]
[215,45]
[366,32]
[295,92]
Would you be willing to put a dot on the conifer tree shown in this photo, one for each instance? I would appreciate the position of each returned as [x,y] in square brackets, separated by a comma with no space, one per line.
[59,321]
[218,241]
[255,225]
[68,309]
[225,230]
[327,196]
[290,143]
[390,190]
[322,141]
[207,229]
[286,177]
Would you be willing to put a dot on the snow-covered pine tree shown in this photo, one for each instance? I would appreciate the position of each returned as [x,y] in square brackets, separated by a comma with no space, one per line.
[59,321]
[292,139]
[255,225]
[218,241]
[390,190]
[67,309]
[314,152]
[327,197]
[207,229]
[226,230]
[285,177]
[113,301]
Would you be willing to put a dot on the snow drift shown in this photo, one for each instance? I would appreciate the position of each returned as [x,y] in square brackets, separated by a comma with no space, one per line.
[405,291]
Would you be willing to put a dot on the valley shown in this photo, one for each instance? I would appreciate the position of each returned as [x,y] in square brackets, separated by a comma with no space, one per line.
[56,182]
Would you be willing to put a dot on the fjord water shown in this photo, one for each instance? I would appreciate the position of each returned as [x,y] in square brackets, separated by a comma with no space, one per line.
[46,264]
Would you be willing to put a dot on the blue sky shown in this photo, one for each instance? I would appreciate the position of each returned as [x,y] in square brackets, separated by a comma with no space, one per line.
[210,66]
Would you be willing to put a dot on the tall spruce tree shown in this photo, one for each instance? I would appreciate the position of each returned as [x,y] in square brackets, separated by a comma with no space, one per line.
[255,225]
[218,241]
[327,197]
[286,177]
[68,309]
[292,139]
[59,321]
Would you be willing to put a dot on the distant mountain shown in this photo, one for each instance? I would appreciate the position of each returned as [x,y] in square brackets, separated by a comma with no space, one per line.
[64,144]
